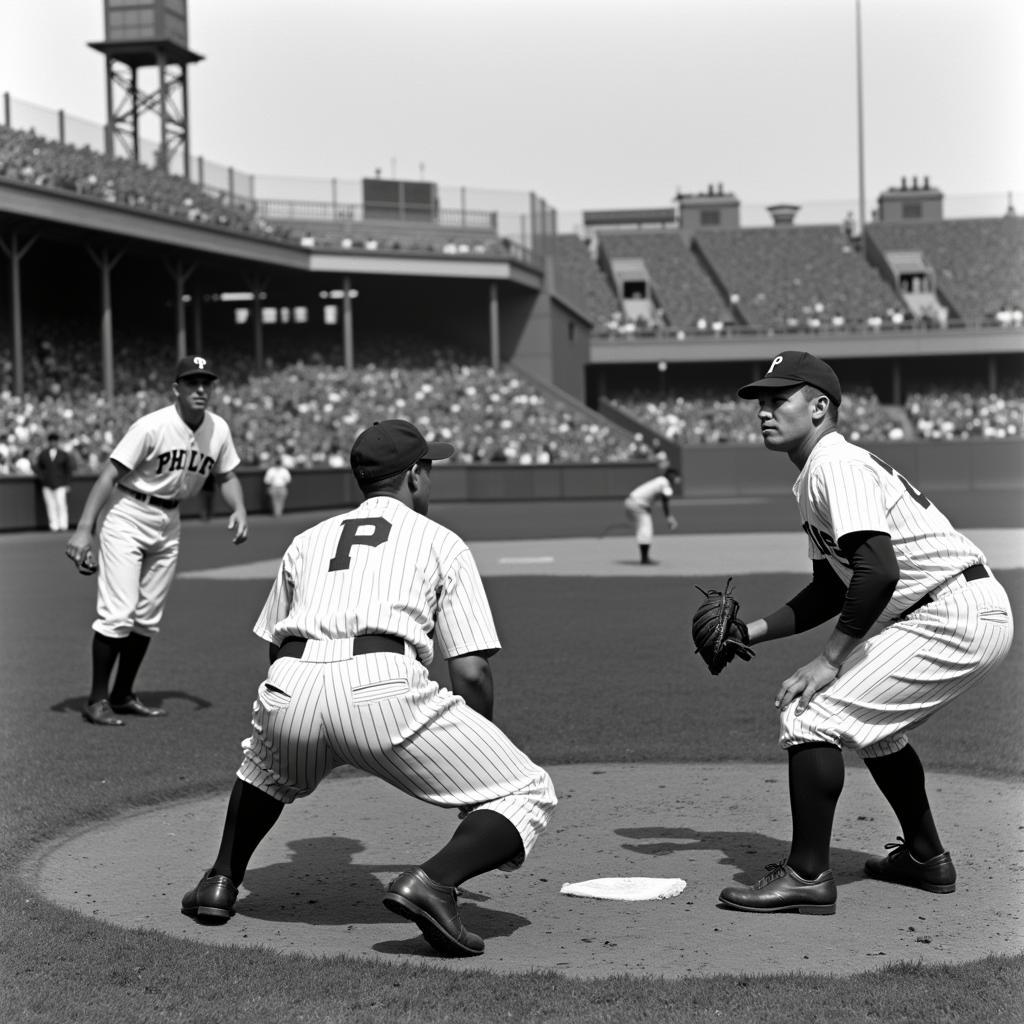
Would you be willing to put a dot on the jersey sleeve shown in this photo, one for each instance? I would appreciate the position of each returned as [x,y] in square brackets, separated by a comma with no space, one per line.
[851,497]
[464,621]
[227,457]
[278,602]
[134,448]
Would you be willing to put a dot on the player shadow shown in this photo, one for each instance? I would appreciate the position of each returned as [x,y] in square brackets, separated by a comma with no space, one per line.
[153,698]
[748,852]
[322,885]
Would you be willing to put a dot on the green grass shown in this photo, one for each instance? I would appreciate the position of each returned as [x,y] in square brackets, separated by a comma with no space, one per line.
[593,670]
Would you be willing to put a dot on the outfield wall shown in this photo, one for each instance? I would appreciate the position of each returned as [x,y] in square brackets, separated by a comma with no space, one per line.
[709,471]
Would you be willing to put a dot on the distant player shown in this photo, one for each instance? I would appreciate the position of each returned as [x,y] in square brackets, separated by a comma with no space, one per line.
[163,458]
[921,619]
[359,604]
[638,506]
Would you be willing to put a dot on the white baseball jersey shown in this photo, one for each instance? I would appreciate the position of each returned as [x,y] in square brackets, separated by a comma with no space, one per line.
[845,489]
[898,677]
[138,543]
[168,459]
[657,487]
[384,568]
[381,568]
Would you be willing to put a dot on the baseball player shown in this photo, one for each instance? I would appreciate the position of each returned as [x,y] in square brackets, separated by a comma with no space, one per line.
[921,619]
[55,467]
[163,458]
[277,480]
[352,619]
[638,506]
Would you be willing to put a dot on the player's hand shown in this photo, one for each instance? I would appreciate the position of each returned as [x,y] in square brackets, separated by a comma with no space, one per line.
[79,550]
[672,522]
[804,683]
[239,524]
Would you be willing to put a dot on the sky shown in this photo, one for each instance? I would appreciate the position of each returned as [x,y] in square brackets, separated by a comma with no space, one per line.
[590,104]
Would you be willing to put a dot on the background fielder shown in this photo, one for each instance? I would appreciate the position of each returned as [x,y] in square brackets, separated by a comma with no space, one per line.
[359,603]
[163,458]
[638,505]
[921,619]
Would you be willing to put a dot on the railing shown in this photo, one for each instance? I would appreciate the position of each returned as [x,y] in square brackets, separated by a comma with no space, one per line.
[520,217]
[305,210]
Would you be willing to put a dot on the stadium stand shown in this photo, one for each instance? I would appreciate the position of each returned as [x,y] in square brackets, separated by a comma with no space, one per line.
[33,160]
[310,411]
[579,279]
[796,278]
[684,291]
[979,263]
[961,414]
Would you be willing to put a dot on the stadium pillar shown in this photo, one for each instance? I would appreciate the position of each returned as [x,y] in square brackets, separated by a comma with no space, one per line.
[197,322]
[495,330]
[257,327]
[348,331]
[106,263]
[14,253]
[180,273]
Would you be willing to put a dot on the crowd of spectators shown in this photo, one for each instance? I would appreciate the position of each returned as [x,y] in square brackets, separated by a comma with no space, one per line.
[959,414]
[309,412]
[709,417]
[31,159]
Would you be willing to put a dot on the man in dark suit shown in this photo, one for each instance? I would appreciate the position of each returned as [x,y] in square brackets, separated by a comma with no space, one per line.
[54,468]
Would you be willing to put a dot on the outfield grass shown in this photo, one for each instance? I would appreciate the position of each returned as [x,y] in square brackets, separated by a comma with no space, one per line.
[593,670]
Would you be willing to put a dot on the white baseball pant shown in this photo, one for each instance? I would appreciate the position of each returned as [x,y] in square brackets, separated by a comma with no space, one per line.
[383,714]
[897,679]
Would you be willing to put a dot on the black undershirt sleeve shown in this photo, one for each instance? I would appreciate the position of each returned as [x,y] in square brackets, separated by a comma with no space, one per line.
[875,575]
[818,602]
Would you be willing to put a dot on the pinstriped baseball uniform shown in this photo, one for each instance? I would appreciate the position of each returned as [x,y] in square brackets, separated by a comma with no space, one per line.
[911,664]
[384,569]
[138,542]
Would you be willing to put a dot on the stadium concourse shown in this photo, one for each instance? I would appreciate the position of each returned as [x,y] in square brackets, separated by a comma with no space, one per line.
[315,883]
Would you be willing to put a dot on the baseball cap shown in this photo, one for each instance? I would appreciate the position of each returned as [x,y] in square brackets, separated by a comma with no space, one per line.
[194,366]
[390,446]
[789,368]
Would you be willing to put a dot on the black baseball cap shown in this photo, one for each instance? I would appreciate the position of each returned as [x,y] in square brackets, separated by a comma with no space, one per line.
[790,368]
[391,446]
[194,366]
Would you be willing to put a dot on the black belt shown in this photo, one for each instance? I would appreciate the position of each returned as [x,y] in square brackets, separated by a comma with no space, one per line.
[148,499]
[366,643]
[972,572]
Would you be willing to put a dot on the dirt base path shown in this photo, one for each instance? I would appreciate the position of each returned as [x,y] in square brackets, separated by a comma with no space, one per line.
[315,885]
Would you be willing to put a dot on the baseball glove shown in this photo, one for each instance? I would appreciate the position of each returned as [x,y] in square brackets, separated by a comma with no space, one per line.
[719,635]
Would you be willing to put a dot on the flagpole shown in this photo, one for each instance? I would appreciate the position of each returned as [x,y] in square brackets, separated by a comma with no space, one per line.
[860,123]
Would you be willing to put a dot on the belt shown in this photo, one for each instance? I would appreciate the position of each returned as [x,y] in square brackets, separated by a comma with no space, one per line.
[148,499]
[366,643]
[972,572]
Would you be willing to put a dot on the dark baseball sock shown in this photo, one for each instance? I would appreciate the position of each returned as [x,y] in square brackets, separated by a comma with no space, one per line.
[645,552]
[816,775]
[250,816]
[133,650]
[900,777]
[483,841]
[105,650]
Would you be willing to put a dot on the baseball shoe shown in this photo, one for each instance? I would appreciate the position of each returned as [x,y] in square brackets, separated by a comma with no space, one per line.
[937,874]
[214,897]
[782,889]
[432,908]
[101,713]
[134,706]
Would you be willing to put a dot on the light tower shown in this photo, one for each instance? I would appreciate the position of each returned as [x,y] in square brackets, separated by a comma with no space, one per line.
[148,34]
